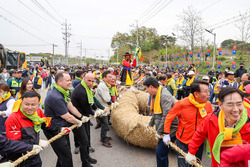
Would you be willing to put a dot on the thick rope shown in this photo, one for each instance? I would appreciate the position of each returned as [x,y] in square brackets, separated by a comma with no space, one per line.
[174,146]
[59,135]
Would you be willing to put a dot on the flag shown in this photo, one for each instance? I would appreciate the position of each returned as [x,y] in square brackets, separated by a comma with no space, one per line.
[142,58]
[219,64]
[220,51]
[207,64]
[233,65]
[198,55]
[234,50]
[178,56]
[208,52]
[24,65]
[191,54]
[198,64]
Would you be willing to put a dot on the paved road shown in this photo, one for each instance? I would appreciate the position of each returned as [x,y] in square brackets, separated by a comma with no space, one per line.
[121,154]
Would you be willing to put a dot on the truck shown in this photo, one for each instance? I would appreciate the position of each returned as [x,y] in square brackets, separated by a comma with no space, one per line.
[11,59]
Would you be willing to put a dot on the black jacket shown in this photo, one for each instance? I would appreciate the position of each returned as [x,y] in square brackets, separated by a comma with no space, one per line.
[80,100]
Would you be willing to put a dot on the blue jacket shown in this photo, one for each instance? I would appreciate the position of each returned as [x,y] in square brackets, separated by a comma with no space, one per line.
[75,82]
[8,146]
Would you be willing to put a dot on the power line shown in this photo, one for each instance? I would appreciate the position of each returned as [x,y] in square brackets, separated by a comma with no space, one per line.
[44,10]
[209,6]
[230,20]
[26,45]
[37,14]
[25,22]
[151,7]
[21,28]
[156,12]
[54,9]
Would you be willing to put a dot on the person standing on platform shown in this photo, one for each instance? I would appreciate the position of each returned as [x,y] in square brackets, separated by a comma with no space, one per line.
[126,75]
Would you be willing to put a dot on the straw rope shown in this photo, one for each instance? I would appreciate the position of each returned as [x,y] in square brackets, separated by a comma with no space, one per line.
[59,135]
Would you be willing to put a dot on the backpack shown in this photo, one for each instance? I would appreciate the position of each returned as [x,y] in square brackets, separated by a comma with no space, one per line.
[36,86]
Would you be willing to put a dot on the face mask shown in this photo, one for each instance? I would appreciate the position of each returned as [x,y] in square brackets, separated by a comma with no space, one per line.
[241,67]
[190,77]
[97,76]
[39,76]
[1,95]
[52,72]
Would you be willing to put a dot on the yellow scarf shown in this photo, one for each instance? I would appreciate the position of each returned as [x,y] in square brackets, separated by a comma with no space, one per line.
[246,104]
[190,81]
[230,81]
[215,88]
[6,98]
[39,82]
[116,92]
[179,82]
[241,88]
[201,106]
[167,81]
[156,107]
[229,139]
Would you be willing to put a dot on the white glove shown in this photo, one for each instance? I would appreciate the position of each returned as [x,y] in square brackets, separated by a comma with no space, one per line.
[79,124]
[190,157]
[158,136]
[166,138]
[98,113]
[106,113]
[116,104]
[7,164]
[85,119]
[1,112]
[37,148]
[147,128]
[67,130]
[43,143]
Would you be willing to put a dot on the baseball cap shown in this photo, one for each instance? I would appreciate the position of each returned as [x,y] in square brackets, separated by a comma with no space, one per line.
[191,73]
[205,77]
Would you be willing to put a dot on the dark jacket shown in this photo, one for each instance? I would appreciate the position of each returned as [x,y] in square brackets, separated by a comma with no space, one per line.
[75,82]
[239,72]
[8,146]
[80,100]
[49,81]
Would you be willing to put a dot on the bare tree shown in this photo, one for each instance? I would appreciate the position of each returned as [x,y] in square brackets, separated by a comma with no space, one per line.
[190,27]
[244,27]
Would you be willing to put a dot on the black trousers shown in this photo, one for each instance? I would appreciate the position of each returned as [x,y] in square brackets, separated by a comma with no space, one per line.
[62,149]
[83,134]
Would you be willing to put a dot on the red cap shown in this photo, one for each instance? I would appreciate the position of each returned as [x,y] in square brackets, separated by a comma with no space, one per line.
[247,88]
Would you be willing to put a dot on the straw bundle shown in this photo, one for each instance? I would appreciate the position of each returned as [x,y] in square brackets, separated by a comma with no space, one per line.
[129,124]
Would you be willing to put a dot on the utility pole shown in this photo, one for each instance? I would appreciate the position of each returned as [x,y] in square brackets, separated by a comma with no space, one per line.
[66,39]
[80,46]
[85,57]
[117,56]
[214,34]
[137,34]
[53,49]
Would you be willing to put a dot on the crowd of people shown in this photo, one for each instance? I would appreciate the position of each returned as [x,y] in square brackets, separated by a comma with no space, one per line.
[191,110]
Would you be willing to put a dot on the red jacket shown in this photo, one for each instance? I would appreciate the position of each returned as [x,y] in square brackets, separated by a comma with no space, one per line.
[209,129]
[127,64]
[19,127]
[189,119]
